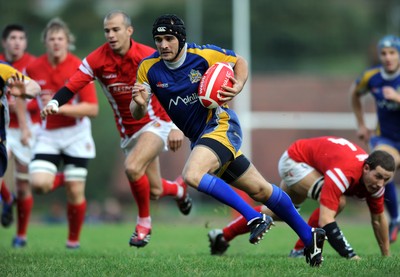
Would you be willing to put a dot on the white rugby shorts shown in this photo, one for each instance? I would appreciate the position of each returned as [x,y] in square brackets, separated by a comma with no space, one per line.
[159,127]
[22,152]
[291,171]
[75,141]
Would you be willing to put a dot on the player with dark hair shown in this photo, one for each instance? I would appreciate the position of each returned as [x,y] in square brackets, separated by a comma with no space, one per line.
[114,65]
[173,74]
[327,169]
[64,138]
[24,121]
[383,82]
[14,82]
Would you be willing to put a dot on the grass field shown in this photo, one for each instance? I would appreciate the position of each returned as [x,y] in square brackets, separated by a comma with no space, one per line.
[180,248]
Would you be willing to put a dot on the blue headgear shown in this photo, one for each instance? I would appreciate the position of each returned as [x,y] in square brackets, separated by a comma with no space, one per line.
[389,41]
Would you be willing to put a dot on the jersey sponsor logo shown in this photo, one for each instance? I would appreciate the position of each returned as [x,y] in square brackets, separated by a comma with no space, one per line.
[388,105]
[109,76]
[162,85]
[194,76]
[119,88]
[188,100]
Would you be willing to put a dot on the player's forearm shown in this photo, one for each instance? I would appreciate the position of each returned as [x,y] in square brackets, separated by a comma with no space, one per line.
[338,241]
[63,96]
[241,70]
[357,108]
[137,111]
[381,231]
[80,110]
[20,111]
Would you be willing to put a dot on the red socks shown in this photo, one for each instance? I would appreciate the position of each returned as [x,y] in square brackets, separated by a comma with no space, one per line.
[76,217]
[58,180]
[237,227]
[24,209]
[5,193]
[141,192]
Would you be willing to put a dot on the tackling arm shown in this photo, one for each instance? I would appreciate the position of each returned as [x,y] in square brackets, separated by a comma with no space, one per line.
[381,231]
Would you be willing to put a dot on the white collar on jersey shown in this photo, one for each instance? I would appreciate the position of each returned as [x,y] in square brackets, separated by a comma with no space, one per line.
[178,63]
[390,77]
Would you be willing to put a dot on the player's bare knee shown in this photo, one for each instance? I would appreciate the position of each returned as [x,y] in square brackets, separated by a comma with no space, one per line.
[191,179]
[260,193]
[133,172]
[41,175]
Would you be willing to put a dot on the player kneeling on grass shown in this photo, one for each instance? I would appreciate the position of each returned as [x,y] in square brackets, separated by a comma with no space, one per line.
[327,169]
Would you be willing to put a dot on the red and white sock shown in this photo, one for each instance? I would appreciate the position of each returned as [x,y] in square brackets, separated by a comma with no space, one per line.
[237,227]
[144,221]
[171,188]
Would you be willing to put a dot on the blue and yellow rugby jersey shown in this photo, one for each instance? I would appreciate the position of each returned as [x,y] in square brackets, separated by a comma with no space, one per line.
[373,80]
[6,71]
[176,89]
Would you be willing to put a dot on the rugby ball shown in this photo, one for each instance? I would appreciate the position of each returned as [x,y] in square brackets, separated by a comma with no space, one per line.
[212,81]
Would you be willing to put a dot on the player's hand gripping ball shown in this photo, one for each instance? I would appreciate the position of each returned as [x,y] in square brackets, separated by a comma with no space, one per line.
[212,81]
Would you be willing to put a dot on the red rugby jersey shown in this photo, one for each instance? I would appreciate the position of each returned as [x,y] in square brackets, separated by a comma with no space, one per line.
[117,75]
[341,163]
[32,108]
[51,79]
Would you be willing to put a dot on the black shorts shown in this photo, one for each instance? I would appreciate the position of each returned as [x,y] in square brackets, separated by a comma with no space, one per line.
[235,169]
[3,159]
[67,160]
[231,169]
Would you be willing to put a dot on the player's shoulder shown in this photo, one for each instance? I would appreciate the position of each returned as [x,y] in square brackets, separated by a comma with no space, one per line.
[29,57]
[6,70]
[37,62]
[74,58]
[150,61]
[205,48]
[371,72]
[139,51]
[100,55]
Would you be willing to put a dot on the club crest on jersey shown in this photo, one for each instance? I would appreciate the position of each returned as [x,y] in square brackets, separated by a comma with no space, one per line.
[194,76]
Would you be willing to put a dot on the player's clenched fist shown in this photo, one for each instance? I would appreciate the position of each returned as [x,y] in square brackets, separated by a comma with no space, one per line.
[139,94]
[50,108]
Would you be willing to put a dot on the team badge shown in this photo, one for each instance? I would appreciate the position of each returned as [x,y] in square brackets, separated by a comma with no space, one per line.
[195,76]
